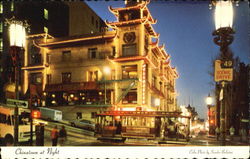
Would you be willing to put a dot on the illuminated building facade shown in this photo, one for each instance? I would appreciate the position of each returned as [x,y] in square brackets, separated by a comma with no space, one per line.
[58,19]
[71,70]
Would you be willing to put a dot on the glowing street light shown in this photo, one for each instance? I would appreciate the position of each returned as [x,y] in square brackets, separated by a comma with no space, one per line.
[17,41]
[209,100]
[223,38]
[223,14]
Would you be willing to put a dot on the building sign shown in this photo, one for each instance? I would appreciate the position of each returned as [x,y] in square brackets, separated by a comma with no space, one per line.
[18,103]
[223,71]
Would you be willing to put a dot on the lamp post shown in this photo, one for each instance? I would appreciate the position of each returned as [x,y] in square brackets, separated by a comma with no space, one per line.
[106,71]
[223,38]
[209,101]
[17,41]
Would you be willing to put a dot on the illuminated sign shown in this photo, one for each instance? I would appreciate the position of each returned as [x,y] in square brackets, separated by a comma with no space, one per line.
[223,74]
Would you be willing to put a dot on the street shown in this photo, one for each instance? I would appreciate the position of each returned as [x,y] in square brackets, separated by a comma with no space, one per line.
[80,137]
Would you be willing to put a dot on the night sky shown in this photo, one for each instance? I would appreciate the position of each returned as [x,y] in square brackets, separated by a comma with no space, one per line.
[186,30]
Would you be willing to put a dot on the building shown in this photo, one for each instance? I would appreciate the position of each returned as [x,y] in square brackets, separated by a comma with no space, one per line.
[237,99]
[122,69]
[58,19]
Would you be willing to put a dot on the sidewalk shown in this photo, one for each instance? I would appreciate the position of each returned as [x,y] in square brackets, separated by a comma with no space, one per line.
[236,141]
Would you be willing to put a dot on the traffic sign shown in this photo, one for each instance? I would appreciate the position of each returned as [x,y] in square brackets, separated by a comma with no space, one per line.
[223,74]
[18,103]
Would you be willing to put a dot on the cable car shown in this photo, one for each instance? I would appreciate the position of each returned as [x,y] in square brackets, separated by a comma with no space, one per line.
[151,125]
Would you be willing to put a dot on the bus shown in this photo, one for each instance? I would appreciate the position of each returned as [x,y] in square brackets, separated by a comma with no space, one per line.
[7,123]
[50,114]
[151,125]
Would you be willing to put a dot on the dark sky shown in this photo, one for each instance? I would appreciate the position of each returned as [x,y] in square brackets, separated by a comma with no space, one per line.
[186,30]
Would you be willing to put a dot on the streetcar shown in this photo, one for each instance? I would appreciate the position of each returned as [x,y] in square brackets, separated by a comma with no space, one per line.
[151,125]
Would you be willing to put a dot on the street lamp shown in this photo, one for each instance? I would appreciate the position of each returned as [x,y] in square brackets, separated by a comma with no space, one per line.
[17,41]
[106,71]
[223,38]
[209,101]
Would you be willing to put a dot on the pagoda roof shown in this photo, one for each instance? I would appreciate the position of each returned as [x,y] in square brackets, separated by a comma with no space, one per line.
[42,35]
[147,20]
[147,24]
[161,51]
[75,39]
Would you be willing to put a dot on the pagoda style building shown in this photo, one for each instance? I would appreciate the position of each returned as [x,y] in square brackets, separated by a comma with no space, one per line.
[122,69]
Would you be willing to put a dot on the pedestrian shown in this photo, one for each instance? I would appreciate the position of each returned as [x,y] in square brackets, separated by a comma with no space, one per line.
[217,131]
[62,136]
[231,130]
[241,134]
[54,136]
[9,140]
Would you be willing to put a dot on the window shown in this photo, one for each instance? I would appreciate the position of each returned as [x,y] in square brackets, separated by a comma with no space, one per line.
[36,78]
[45,29]
[129,72]
[131,97]
[154,81]
[113,75]
[92,53]
[1,27]
[1,7]
[66,77]
[49,78]
[12,6]
[1,44]
[113,51]
[92,20]
[46,13]
[92,76]
[96,24]
[129,50]
[66,55]
[48,56]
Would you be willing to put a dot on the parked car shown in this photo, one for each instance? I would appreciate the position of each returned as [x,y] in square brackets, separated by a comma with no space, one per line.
[84,124]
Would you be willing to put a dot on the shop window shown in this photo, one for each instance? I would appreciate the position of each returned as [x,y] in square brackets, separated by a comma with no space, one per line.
[92,76]
[1,44]
[129,72]
[66,77]
[130,98]
[46,13]
[93,115]
[36,78]
[45,29]
[1,27]
[12,6]
[92,53]
[48,78]
[66,55]
[1,7]
[129,50]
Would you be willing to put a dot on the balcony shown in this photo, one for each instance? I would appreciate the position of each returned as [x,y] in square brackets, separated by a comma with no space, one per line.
[155,90]
[76,86]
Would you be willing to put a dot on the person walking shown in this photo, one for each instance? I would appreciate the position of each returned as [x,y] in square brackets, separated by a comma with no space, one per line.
[62,136]
[217,131]
[231,130]
[54,136]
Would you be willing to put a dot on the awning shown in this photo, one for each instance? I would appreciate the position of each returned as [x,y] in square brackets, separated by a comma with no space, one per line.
[77,86]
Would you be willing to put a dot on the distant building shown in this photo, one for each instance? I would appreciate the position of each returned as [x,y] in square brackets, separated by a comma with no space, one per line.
[237,99]
[71,72]
[58,19]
